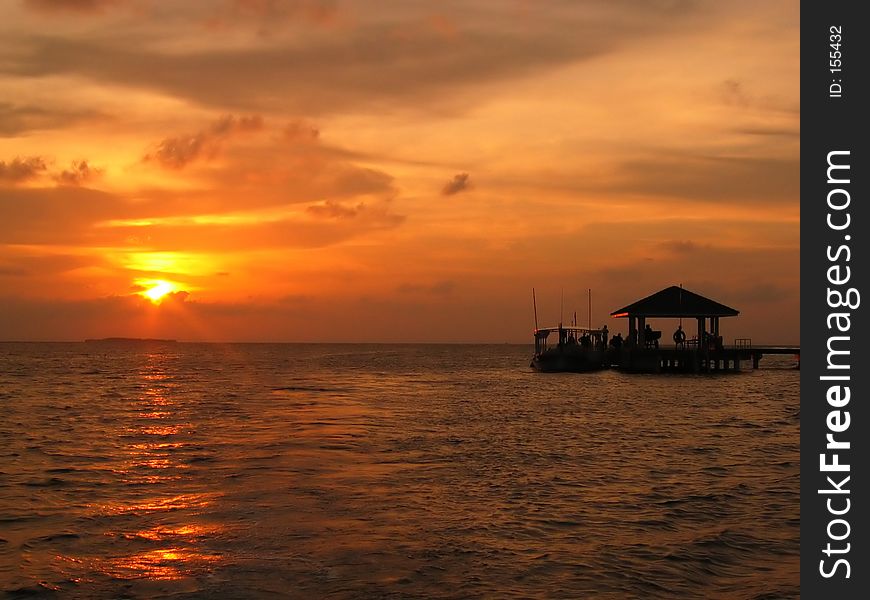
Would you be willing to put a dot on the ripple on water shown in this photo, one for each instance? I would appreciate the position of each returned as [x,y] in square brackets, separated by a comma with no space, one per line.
[380,471]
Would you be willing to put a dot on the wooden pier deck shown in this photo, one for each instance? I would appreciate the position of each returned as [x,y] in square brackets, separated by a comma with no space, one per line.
[694,360]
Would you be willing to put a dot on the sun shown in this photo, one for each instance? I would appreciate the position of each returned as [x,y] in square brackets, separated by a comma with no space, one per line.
[157,290]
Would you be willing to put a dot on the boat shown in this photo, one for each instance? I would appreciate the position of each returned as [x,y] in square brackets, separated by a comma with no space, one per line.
[577,350]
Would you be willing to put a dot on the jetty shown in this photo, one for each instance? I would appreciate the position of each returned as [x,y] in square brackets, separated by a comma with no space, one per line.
[703,352]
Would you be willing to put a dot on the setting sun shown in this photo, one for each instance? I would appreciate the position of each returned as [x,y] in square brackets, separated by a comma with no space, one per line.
[158,290]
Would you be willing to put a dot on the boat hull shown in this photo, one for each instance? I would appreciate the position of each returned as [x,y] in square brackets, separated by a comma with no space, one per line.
[554,361]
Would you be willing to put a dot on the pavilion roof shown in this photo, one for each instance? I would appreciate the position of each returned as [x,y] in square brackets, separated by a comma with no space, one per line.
[675,302]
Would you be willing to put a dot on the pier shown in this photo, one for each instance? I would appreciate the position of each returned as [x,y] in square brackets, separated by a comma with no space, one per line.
[692,360]
[704,352]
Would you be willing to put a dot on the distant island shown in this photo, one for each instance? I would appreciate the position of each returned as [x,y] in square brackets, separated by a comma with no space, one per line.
[129,340]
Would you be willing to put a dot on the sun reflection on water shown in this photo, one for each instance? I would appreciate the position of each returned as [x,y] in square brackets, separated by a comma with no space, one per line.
[158,504]
[161,564]
[162,513]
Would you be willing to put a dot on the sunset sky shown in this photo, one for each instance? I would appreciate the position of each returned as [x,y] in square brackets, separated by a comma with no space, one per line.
[317,170]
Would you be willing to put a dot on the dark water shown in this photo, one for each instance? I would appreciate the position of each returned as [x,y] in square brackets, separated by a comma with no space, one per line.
[196,470]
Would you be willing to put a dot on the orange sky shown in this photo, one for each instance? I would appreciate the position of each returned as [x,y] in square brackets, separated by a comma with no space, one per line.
[393,171]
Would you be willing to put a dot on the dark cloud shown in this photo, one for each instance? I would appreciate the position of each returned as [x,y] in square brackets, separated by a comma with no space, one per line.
[368,66]
[79,173]
[459,183]
[177,152]
[335,210]
[19,170]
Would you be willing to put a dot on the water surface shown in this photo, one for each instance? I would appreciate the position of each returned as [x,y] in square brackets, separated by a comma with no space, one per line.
[388,471]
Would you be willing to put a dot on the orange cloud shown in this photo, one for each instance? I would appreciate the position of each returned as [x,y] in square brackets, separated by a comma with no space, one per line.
[79,173]
[19,170]
[177,152]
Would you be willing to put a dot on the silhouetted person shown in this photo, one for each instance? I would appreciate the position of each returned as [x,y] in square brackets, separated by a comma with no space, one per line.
[680,337]
[651,338]
[616,342]
[604,336]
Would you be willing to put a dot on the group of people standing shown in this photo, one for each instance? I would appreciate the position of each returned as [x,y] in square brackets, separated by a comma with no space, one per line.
[651,337]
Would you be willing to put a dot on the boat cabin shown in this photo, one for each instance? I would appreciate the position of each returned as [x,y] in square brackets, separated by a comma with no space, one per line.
[569,336]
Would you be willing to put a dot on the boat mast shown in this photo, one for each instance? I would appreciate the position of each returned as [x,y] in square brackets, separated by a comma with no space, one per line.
[589,319]
[535,307]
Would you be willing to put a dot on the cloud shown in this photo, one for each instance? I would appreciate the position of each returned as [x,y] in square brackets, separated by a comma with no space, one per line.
[459,183]
[299,131]
[79,173]
[81,216]
[375,214]
[334,210]
[272,14]
[17,119]
[76,6]
[712,179]
[41,265]
[374,64]
[55,215]
[177,152]
[19,170]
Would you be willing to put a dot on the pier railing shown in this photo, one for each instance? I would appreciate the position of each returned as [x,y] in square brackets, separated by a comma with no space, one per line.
[743,343]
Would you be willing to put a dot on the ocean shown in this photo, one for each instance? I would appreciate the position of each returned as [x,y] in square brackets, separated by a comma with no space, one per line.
[144,470]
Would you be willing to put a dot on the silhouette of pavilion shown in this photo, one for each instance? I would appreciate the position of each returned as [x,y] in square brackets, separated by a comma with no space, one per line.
[701,354]
[674,303]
